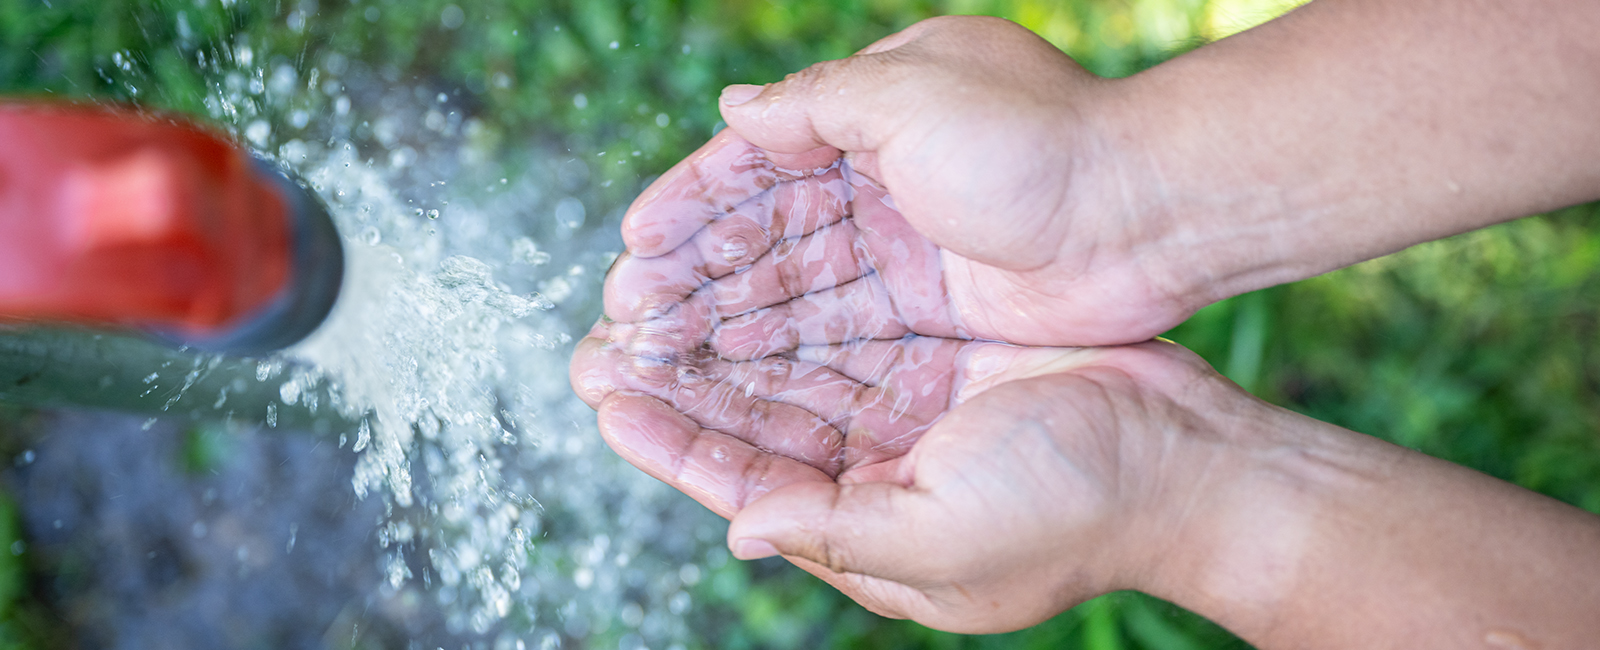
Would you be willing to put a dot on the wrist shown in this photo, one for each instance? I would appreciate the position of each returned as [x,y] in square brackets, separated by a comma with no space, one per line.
[1194,238]
[1241,534]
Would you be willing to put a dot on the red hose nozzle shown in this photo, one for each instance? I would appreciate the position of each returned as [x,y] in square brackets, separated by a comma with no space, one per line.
[113,217]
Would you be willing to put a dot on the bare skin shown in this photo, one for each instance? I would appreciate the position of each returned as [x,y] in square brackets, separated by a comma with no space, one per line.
[1065,474]
[1044,206]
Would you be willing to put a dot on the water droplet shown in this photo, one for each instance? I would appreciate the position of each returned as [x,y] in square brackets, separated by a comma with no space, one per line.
[363,436]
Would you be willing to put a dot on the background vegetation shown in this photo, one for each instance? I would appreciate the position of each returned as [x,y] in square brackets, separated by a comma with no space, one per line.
[1483,349]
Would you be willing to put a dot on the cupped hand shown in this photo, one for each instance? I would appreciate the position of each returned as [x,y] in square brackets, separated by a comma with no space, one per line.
[849,412]
[974,487]
[1007,220]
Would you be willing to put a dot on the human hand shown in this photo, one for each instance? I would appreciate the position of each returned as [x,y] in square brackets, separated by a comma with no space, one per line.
[1013,225]
[971,486]
[848,412]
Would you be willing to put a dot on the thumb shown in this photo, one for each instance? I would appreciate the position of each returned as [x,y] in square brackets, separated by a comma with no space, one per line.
[869,529]
[852,104]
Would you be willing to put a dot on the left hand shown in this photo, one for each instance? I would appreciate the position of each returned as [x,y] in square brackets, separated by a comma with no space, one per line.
[974,487]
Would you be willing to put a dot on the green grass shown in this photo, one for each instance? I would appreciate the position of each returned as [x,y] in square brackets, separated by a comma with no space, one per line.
[1481,349]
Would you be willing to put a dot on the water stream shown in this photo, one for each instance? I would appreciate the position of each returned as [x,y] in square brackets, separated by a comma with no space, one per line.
[442,371]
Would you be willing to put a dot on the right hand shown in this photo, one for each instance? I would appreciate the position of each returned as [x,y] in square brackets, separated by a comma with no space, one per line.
[971,486]
[1014,226]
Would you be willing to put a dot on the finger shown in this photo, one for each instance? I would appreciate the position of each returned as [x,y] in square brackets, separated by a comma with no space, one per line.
[726,407]
[859,103]
[676,335]
[723,473]
[592,370]
[911,266]
[853,311]
[829,395]
[872,529]
[885,598]
[791,210]
[641,287]
[877,423]
[794,267]
[722,174]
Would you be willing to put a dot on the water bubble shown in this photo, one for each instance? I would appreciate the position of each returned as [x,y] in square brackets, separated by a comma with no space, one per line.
[284,80]
[272,416]
[570,212]
[433,214]
[526,251]
[397,571]
[370,236]
[689,574]
[452,17]
[402,157]
[258,132]
[266,370]
[289,392]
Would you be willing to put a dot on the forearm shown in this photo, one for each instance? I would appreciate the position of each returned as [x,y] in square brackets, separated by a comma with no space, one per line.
[1337,540]
[1349,129]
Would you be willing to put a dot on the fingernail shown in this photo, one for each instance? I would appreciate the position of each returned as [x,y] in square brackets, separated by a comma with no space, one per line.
[740,93]
[753,549]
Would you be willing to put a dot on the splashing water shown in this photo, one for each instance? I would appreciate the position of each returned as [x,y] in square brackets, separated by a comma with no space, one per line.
[448,351]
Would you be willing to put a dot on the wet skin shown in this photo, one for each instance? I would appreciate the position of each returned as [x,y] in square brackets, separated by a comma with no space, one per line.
[806,249]
[795,350]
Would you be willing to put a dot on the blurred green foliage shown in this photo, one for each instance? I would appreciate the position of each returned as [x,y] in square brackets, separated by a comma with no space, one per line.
[26,623]
[1481,349]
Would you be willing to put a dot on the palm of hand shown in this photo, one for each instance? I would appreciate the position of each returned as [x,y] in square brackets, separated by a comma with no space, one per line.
[849,412]
[995,520]
[804,338]
[762,260]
